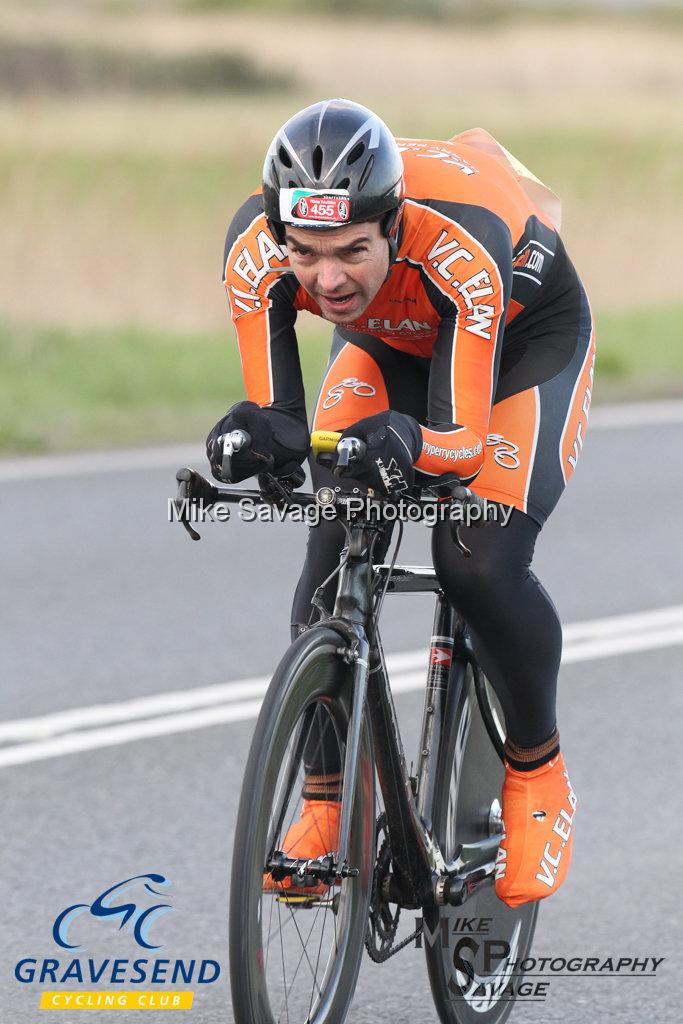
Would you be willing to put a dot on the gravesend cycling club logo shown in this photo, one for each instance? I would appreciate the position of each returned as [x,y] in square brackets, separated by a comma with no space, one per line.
[139,919]
[131,908]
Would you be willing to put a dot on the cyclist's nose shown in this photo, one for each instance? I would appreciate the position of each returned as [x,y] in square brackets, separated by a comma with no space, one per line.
[331,275]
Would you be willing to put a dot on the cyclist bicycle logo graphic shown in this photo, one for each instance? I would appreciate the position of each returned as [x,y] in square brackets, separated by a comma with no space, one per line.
[505,453]
[139,918]
[358,387]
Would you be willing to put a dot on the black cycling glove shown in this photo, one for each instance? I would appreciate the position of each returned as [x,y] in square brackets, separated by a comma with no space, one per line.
[279,442]
[394,442]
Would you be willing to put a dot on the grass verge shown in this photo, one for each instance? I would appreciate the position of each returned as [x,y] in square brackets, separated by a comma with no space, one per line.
[64,390]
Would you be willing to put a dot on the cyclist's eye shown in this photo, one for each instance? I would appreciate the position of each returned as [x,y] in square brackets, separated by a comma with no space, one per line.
[355,254]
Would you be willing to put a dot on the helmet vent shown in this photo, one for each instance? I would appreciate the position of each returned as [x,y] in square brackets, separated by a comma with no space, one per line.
[292,183]
[276,176]
[284,157]
[356,153]
[344,183]
[367,170]
[317,161]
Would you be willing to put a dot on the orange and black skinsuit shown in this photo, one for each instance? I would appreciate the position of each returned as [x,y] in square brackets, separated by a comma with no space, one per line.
[483,333]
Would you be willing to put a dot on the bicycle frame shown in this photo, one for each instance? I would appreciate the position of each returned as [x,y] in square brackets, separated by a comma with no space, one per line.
[421,876]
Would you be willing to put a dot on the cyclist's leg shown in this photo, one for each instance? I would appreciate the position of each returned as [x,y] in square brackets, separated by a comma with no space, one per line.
[515,629]
[534,440]
[535,435]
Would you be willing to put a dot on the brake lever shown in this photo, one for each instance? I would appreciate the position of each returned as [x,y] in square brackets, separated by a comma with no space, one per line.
[458,542]
[232,443]
[348,449]
[184,478]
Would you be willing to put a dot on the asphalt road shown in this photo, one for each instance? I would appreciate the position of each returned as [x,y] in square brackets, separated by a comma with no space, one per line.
[104,601]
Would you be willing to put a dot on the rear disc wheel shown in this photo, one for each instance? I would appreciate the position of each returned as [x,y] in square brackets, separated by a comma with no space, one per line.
[471,973]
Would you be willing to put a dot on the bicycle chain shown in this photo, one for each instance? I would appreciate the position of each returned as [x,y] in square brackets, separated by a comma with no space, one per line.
[378,903]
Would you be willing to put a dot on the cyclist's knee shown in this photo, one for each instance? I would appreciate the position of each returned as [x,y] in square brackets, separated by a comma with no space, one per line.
[500,560]
[458,574]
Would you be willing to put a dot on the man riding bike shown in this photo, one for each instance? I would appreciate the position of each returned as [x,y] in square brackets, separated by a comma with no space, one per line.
[463,344]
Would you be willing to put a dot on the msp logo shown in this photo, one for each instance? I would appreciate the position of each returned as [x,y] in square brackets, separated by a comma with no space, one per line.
[138,918]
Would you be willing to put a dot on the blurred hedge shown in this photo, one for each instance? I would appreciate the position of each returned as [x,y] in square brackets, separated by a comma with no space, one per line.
[51,67]
[465,12]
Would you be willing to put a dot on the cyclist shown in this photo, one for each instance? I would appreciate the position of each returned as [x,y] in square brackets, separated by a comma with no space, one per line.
[463,343]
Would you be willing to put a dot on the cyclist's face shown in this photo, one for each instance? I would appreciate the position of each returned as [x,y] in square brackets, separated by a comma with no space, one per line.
[342,269]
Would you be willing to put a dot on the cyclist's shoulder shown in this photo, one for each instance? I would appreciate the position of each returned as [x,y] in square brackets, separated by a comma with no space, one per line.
[472,180]
[252,257]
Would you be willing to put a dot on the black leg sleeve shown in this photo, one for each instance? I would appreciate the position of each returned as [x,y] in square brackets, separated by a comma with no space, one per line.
[515,628]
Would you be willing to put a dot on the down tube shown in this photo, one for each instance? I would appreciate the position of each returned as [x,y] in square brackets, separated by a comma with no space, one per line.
[447,670]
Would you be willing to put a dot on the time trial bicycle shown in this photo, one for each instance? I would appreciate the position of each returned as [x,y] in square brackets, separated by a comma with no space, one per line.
[298,927]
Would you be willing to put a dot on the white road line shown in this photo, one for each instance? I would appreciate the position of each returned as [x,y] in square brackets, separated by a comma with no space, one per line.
[126,711]
[653,618]
[126,460]
[607,647]
[113,735]
[45,726]
[239,701]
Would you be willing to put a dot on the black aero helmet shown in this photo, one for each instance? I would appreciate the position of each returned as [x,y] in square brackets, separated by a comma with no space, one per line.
[334,163]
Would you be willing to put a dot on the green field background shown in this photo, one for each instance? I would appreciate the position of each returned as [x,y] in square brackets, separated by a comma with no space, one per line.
[130,133]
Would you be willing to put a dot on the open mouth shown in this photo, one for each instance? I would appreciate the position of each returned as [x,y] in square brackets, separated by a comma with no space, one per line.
[338,301]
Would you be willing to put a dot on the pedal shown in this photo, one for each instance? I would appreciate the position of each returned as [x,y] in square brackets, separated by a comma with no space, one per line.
[302,872]
[301,901]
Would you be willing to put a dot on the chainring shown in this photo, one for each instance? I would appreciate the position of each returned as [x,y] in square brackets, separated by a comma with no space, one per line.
[383,922]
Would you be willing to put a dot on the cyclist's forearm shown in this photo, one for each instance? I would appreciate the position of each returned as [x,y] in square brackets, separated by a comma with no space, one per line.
[451,449]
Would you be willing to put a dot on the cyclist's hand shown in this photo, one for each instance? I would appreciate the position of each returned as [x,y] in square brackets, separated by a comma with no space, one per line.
[279,443]
[394,441]
[257,457]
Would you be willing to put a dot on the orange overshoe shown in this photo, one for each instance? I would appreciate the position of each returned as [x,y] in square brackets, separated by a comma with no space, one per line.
[536,849]
[312,837]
